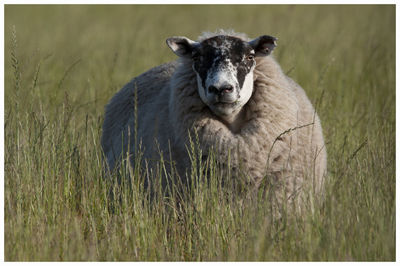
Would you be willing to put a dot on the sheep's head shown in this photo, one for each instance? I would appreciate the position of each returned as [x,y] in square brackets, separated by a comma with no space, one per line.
[224,67]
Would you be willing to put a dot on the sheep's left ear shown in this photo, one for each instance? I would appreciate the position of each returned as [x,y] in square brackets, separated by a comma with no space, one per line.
[263,45]
[182,46]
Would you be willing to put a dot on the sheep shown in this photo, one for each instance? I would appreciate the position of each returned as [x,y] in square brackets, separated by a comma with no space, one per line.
[231,93]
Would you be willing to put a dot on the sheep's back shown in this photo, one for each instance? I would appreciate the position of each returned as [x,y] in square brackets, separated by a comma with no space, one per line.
[119,119]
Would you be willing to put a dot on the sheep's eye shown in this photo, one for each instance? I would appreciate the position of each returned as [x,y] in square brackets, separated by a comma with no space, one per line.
[250,57]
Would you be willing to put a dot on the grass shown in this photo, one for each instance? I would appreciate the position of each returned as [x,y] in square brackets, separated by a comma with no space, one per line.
[62,65]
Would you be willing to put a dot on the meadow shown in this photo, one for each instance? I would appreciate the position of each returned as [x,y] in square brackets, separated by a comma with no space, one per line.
[63,64]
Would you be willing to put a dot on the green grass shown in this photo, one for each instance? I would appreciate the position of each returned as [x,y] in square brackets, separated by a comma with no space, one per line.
[62,65]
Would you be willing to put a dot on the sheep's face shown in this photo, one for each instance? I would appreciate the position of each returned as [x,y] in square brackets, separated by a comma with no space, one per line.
[224,67]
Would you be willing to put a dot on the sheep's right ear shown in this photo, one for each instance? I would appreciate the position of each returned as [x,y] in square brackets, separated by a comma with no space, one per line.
[182,46]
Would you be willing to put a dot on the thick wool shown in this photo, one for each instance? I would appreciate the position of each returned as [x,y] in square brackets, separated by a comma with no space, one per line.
[280,138]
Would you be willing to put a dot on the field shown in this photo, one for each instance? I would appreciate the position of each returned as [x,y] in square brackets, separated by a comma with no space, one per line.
[62,65]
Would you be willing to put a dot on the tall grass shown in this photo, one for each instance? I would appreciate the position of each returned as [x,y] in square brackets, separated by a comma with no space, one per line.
[63,63]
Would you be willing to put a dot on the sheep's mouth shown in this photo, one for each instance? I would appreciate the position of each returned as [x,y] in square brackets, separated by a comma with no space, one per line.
[226,103]
[225,108]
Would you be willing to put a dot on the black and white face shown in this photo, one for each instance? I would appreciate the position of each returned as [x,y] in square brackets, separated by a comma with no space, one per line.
[224,67]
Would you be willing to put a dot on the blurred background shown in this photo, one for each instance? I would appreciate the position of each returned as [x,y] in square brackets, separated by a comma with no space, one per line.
[106,45]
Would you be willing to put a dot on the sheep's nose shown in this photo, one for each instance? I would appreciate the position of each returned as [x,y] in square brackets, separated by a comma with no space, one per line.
[220,90]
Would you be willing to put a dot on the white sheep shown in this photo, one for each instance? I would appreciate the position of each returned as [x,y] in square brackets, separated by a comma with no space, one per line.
[234,95]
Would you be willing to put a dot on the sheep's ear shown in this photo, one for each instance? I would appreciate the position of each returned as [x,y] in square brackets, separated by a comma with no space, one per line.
[182,46]
[263,45]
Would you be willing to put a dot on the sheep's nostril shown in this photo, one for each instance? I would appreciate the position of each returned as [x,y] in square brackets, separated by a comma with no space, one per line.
[220,90]
[213,89]
[226,89]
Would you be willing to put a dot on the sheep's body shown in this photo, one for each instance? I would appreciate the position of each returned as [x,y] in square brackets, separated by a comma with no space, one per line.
[279,136]
[152,110]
